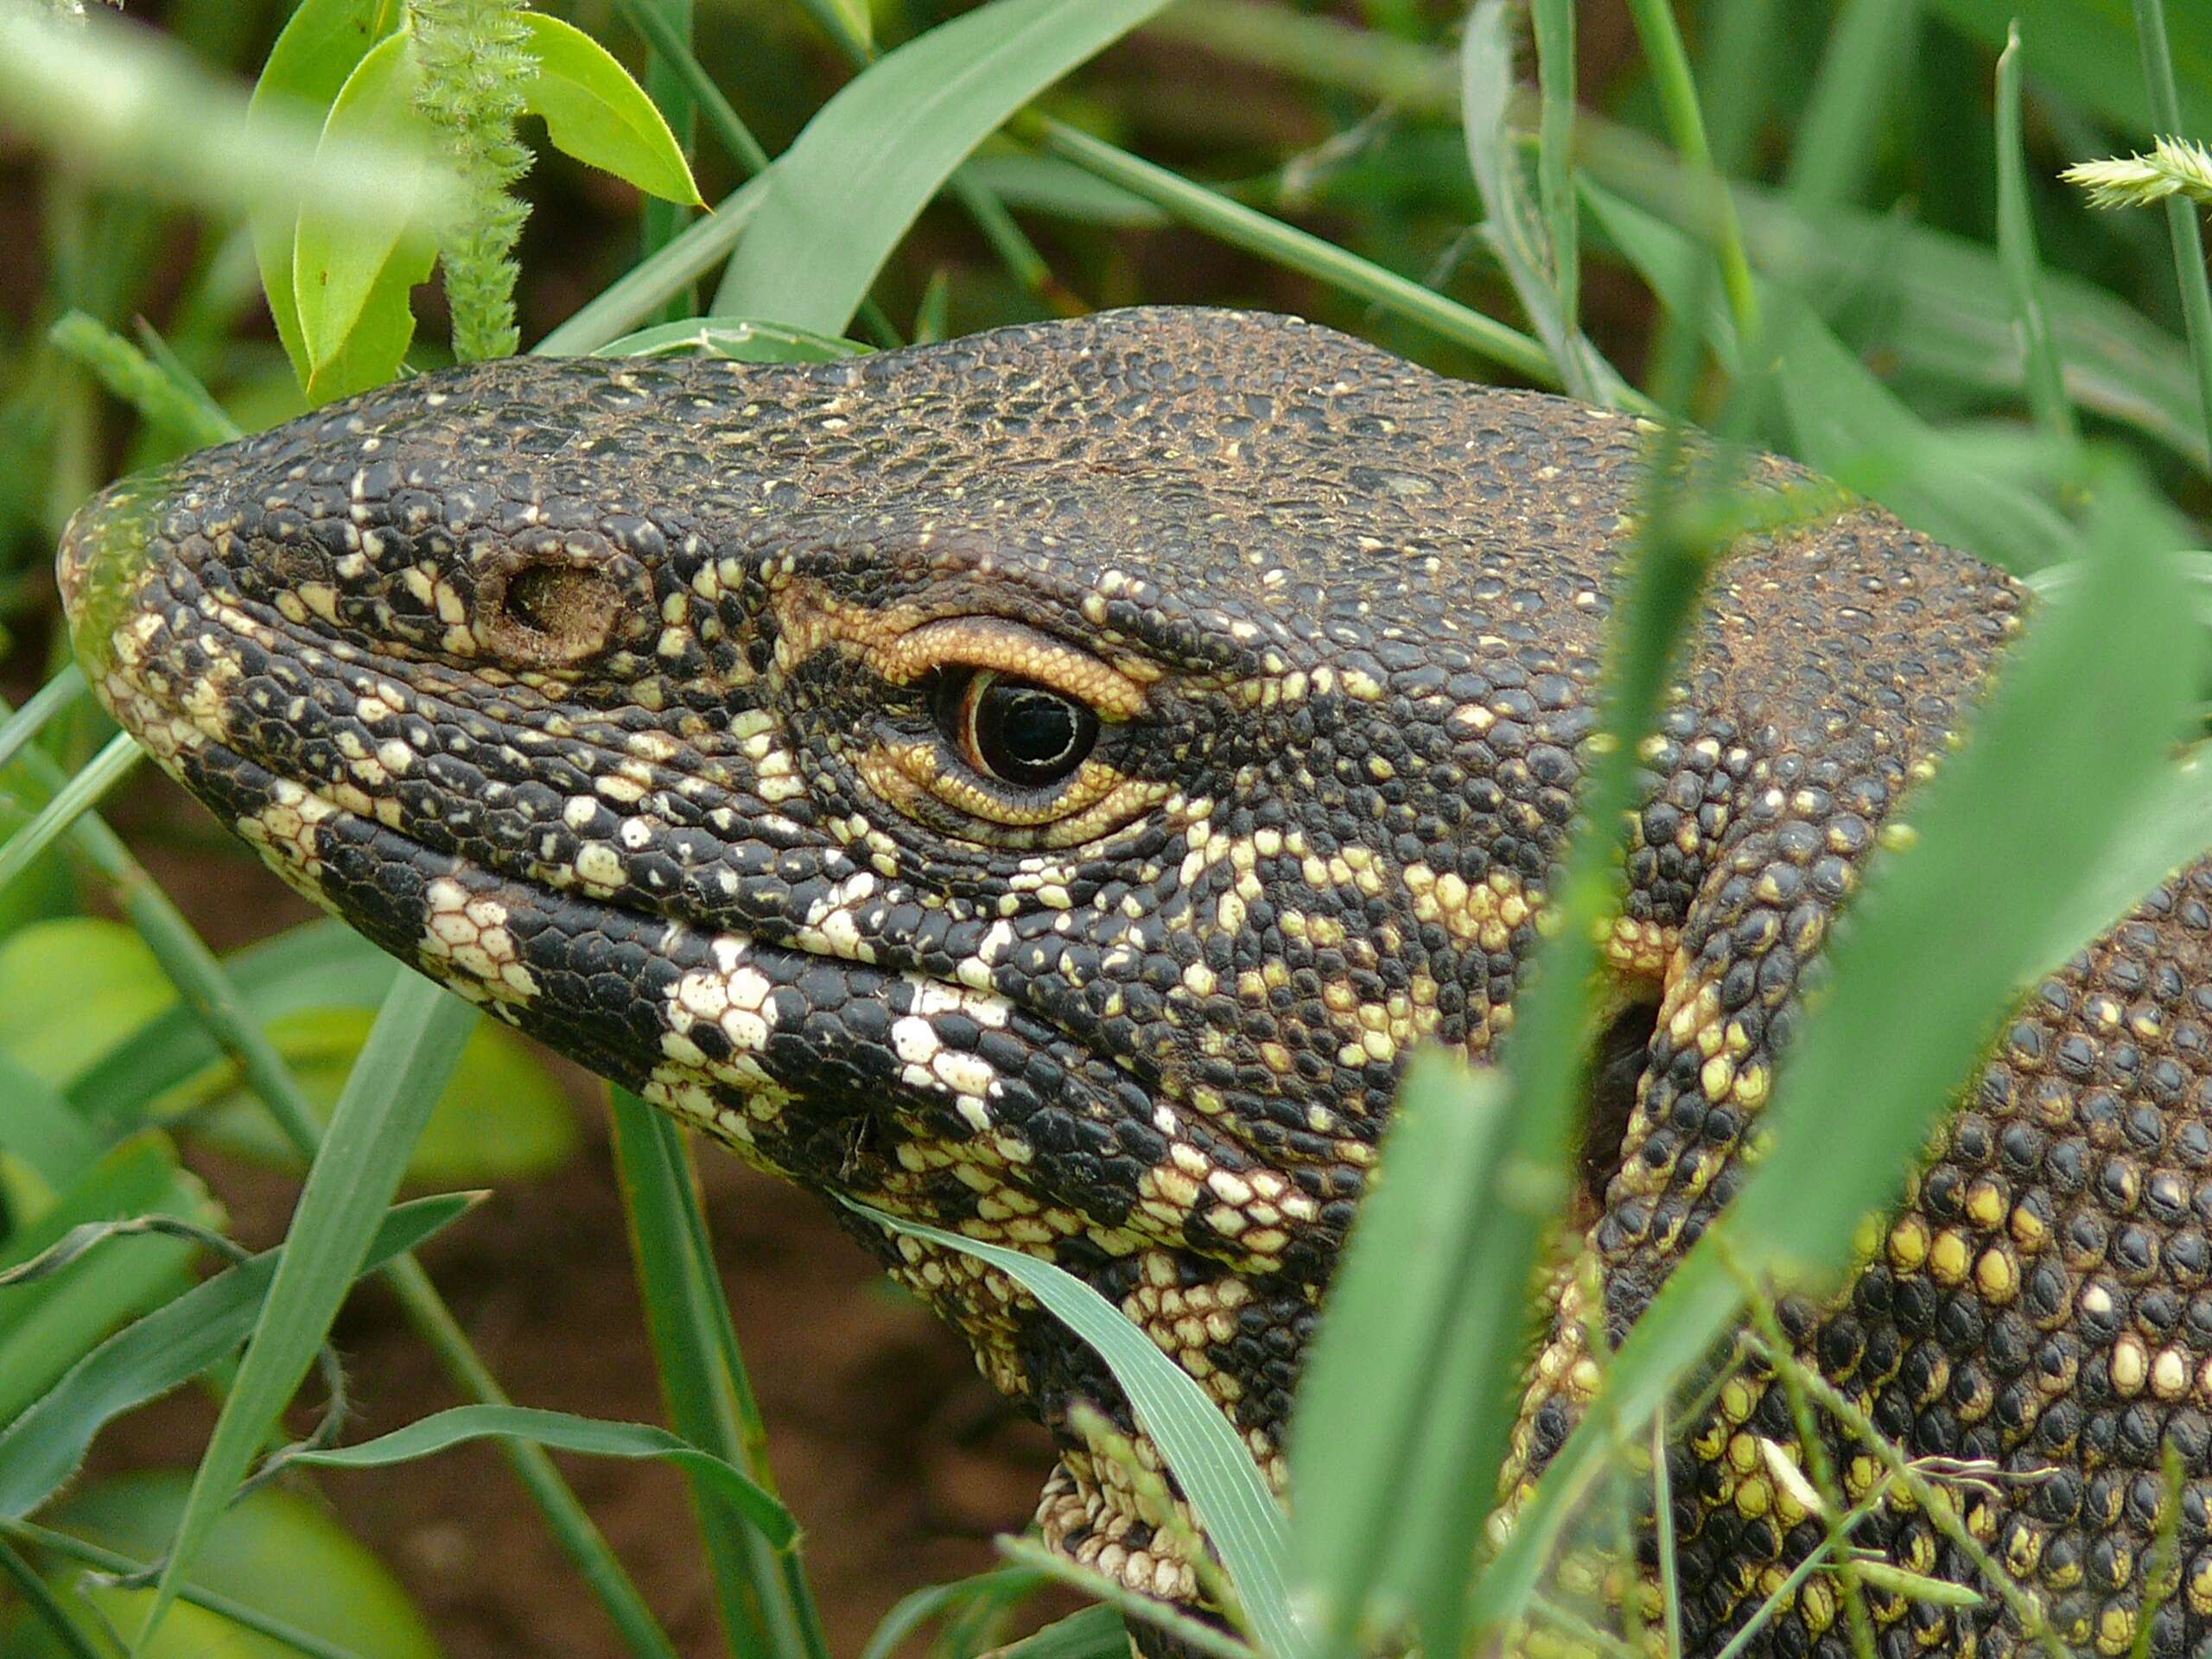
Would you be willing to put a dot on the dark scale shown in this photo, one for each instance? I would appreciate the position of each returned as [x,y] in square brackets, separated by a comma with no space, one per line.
[1046,783]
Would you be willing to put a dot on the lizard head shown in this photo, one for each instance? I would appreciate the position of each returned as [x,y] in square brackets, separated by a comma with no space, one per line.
[1043,784]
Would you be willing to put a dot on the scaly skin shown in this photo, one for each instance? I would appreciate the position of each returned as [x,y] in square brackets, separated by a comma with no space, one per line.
[629,699]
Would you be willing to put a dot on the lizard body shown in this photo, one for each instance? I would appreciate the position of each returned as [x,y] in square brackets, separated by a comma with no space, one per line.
[1045,784]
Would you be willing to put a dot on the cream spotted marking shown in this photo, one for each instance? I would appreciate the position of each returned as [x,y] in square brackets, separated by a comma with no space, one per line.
[1046,784]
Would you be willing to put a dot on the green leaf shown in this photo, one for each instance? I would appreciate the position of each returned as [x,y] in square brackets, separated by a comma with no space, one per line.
[560,1431]
[417,1039]
[842,197]
[163,1350]
[321,44]
[277,1553]
[352,278]
[1374,1477]
[1946,935]
[595,111]
[742,340]
[1209,1458]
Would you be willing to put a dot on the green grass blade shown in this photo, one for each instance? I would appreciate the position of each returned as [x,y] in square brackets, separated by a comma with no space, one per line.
[1553,21]
[56,696]
[142,114]
[1948,308]
[2072,744]
[2084,51]
[1670,71]
[2016,248]
[1300,250]
[410,1053]
[653,19]
[766,1603]
[84,790]
[1231,1497]
[44,1607]
[843,195]
[918,1608]
[140,381]
[1377,1448]
[563,1432]
[43,1447]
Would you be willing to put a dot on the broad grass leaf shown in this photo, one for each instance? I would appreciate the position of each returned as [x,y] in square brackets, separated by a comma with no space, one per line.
[352,278]
[417,1040]
[320,44]
[560,1431]
[1375,1477]
[595,111]
[278,1552]
[842,196]
[164,1349]
[2070,749]
[47,1323]
[1207,1456]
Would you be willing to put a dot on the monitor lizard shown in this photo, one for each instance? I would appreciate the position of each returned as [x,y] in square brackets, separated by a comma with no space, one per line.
[1045,783]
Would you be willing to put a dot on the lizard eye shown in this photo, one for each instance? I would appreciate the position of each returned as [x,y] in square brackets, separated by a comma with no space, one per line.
[1014,730]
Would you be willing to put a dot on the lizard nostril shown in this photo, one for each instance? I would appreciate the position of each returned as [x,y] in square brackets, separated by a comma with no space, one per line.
[551,616]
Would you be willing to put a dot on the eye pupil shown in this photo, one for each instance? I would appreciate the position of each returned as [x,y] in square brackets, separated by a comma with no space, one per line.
[1025,733]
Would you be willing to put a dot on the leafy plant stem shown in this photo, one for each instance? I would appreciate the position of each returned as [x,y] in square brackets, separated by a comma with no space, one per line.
[474,67]
[2181,213]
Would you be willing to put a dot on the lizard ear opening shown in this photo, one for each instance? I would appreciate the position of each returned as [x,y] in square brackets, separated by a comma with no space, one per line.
[1614,1068]
[549,614]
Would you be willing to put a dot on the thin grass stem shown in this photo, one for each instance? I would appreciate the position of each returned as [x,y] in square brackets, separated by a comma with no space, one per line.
[1295,249]
[84,790]
[56,696]
[2181,213]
